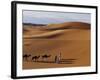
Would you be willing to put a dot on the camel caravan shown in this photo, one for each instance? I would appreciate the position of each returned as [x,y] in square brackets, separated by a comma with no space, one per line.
[35,58]
[44,57]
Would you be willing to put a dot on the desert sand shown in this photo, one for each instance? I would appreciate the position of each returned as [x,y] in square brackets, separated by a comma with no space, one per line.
[71,39]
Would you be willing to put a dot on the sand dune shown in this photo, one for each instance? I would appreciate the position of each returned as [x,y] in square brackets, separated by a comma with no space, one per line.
[68,25]
[45,35]
[72,39]
[58,29]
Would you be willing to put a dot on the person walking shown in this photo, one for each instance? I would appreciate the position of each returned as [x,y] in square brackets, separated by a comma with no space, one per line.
[56,59]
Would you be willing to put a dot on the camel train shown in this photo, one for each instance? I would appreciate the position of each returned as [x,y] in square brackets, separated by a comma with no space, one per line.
[35,58]
[44,57]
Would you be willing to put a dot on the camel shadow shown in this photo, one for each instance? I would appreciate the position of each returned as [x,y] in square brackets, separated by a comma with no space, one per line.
[62,61]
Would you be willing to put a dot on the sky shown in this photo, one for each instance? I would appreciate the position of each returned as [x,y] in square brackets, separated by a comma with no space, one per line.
[48,17]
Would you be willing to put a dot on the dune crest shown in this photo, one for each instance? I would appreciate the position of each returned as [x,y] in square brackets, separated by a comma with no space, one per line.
[45,35]
[68,25]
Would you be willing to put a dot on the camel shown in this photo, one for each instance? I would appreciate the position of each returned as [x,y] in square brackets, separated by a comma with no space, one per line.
[26,56]
[46,56]
[35,58]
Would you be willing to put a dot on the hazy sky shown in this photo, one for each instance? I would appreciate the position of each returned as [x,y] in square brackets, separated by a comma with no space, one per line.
[43,17]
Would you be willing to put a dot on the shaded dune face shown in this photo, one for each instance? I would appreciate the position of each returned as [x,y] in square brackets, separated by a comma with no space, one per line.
[72,39]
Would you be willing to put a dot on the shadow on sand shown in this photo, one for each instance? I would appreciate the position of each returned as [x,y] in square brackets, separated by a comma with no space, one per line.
[62,61]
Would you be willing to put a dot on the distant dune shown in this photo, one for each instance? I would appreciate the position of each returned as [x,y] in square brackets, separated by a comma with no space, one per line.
[31,24]
[72,39]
